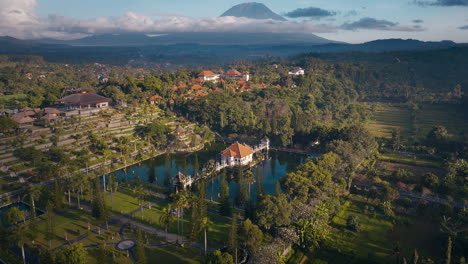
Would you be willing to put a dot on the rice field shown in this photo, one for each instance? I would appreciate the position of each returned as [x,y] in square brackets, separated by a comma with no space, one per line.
[389,117]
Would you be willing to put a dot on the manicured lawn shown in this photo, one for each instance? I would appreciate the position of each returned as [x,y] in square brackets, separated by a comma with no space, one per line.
[218,225]
[74,223]
[173,254]
[124,201]
[120,257]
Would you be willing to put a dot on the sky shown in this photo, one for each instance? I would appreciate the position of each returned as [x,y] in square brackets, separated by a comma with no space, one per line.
[353,21]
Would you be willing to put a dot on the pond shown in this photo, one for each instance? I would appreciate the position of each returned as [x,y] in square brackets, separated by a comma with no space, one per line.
[22,206]
[161,169]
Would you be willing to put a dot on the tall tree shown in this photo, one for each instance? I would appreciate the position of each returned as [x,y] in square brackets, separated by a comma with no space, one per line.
[224,202]
[72,254]
[166,217]
[34,194]
[140,249]
[250,236]
[232,242]
[50,223]
[448,254]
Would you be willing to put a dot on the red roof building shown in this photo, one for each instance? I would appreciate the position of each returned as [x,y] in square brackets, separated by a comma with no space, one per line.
[237,155]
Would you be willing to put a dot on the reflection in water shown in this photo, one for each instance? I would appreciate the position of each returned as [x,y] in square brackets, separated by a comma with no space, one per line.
[161,169]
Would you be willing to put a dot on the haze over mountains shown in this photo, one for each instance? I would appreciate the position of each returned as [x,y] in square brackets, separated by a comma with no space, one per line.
[203,47]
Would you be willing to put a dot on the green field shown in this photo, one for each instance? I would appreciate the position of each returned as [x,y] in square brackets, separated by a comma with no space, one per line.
[74,223]
[124,202]
[377,238]
[388,118]
[412,160]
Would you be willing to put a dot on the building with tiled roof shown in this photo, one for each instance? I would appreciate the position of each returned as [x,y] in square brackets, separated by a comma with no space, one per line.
[196,87]
[85,99]
[155,99]
[208,76]
[236,75]
[22,119]
[237,154]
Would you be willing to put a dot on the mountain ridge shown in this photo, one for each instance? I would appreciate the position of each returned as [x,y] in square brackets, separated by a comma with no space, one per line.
[253,10]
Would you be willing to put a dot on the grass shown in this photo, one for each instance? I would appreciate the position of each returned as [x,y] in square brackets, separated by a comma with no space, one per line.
[120,257]
[377,238]
[218,225]
[123,200]
[370,240]
[74,223]
[167,254]
[173,254]
[412,160]
[390,117]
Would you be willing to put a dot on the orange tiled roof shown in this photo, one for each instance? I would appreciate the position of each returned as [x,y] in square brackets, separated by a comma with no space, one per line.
[278,86]
[198,80]
[196,87]
[241,82]
[206,73]
[201,93]
[155,97]
[238,150]
[233,72]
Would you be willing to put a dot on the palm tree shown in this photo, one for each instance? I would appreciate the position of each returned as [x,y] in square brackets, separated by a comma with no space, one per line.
[34,193]
[181,202]
[204,226]
[141,193]
[113,184]
[167,217]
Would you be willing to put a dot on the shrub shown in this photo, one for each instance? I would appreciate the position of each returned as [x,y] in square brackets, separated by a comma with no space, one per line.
[353,223]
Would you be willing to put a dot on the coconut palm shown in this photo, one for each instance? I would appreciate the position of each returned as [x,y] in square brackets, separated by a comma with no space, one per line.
[34,193]
[167,217]
[204,227]
[181,202]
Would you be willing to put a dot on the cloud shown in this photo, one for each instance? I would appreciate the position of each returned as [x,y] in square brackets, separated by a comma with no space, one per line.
[463,27]
[375,24]
[442,3]
[418,21]
[312,12]
[351,13]
[20,20]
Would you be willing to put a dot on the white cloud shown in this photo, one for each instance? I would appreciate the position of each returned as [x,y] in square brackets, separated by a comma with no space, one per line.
[18,19]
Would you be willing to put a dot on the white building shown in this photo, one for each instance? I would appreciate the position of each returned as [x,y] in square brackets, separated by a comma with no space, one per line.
[237,154]
[208,76]
[297,71]
[236,75]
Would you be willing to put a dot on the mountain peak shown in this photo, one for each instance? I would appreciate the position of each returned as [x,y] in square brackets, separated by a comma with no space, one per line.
[253,10]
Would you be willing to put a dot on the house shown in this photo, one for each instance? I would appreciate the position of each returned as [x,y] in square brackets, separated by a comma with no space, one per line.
[22,119]
[155,99]
[297,71]
[180,131]
[29,75]
[208,76]
[236,75]
[237,155]
[84,98]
